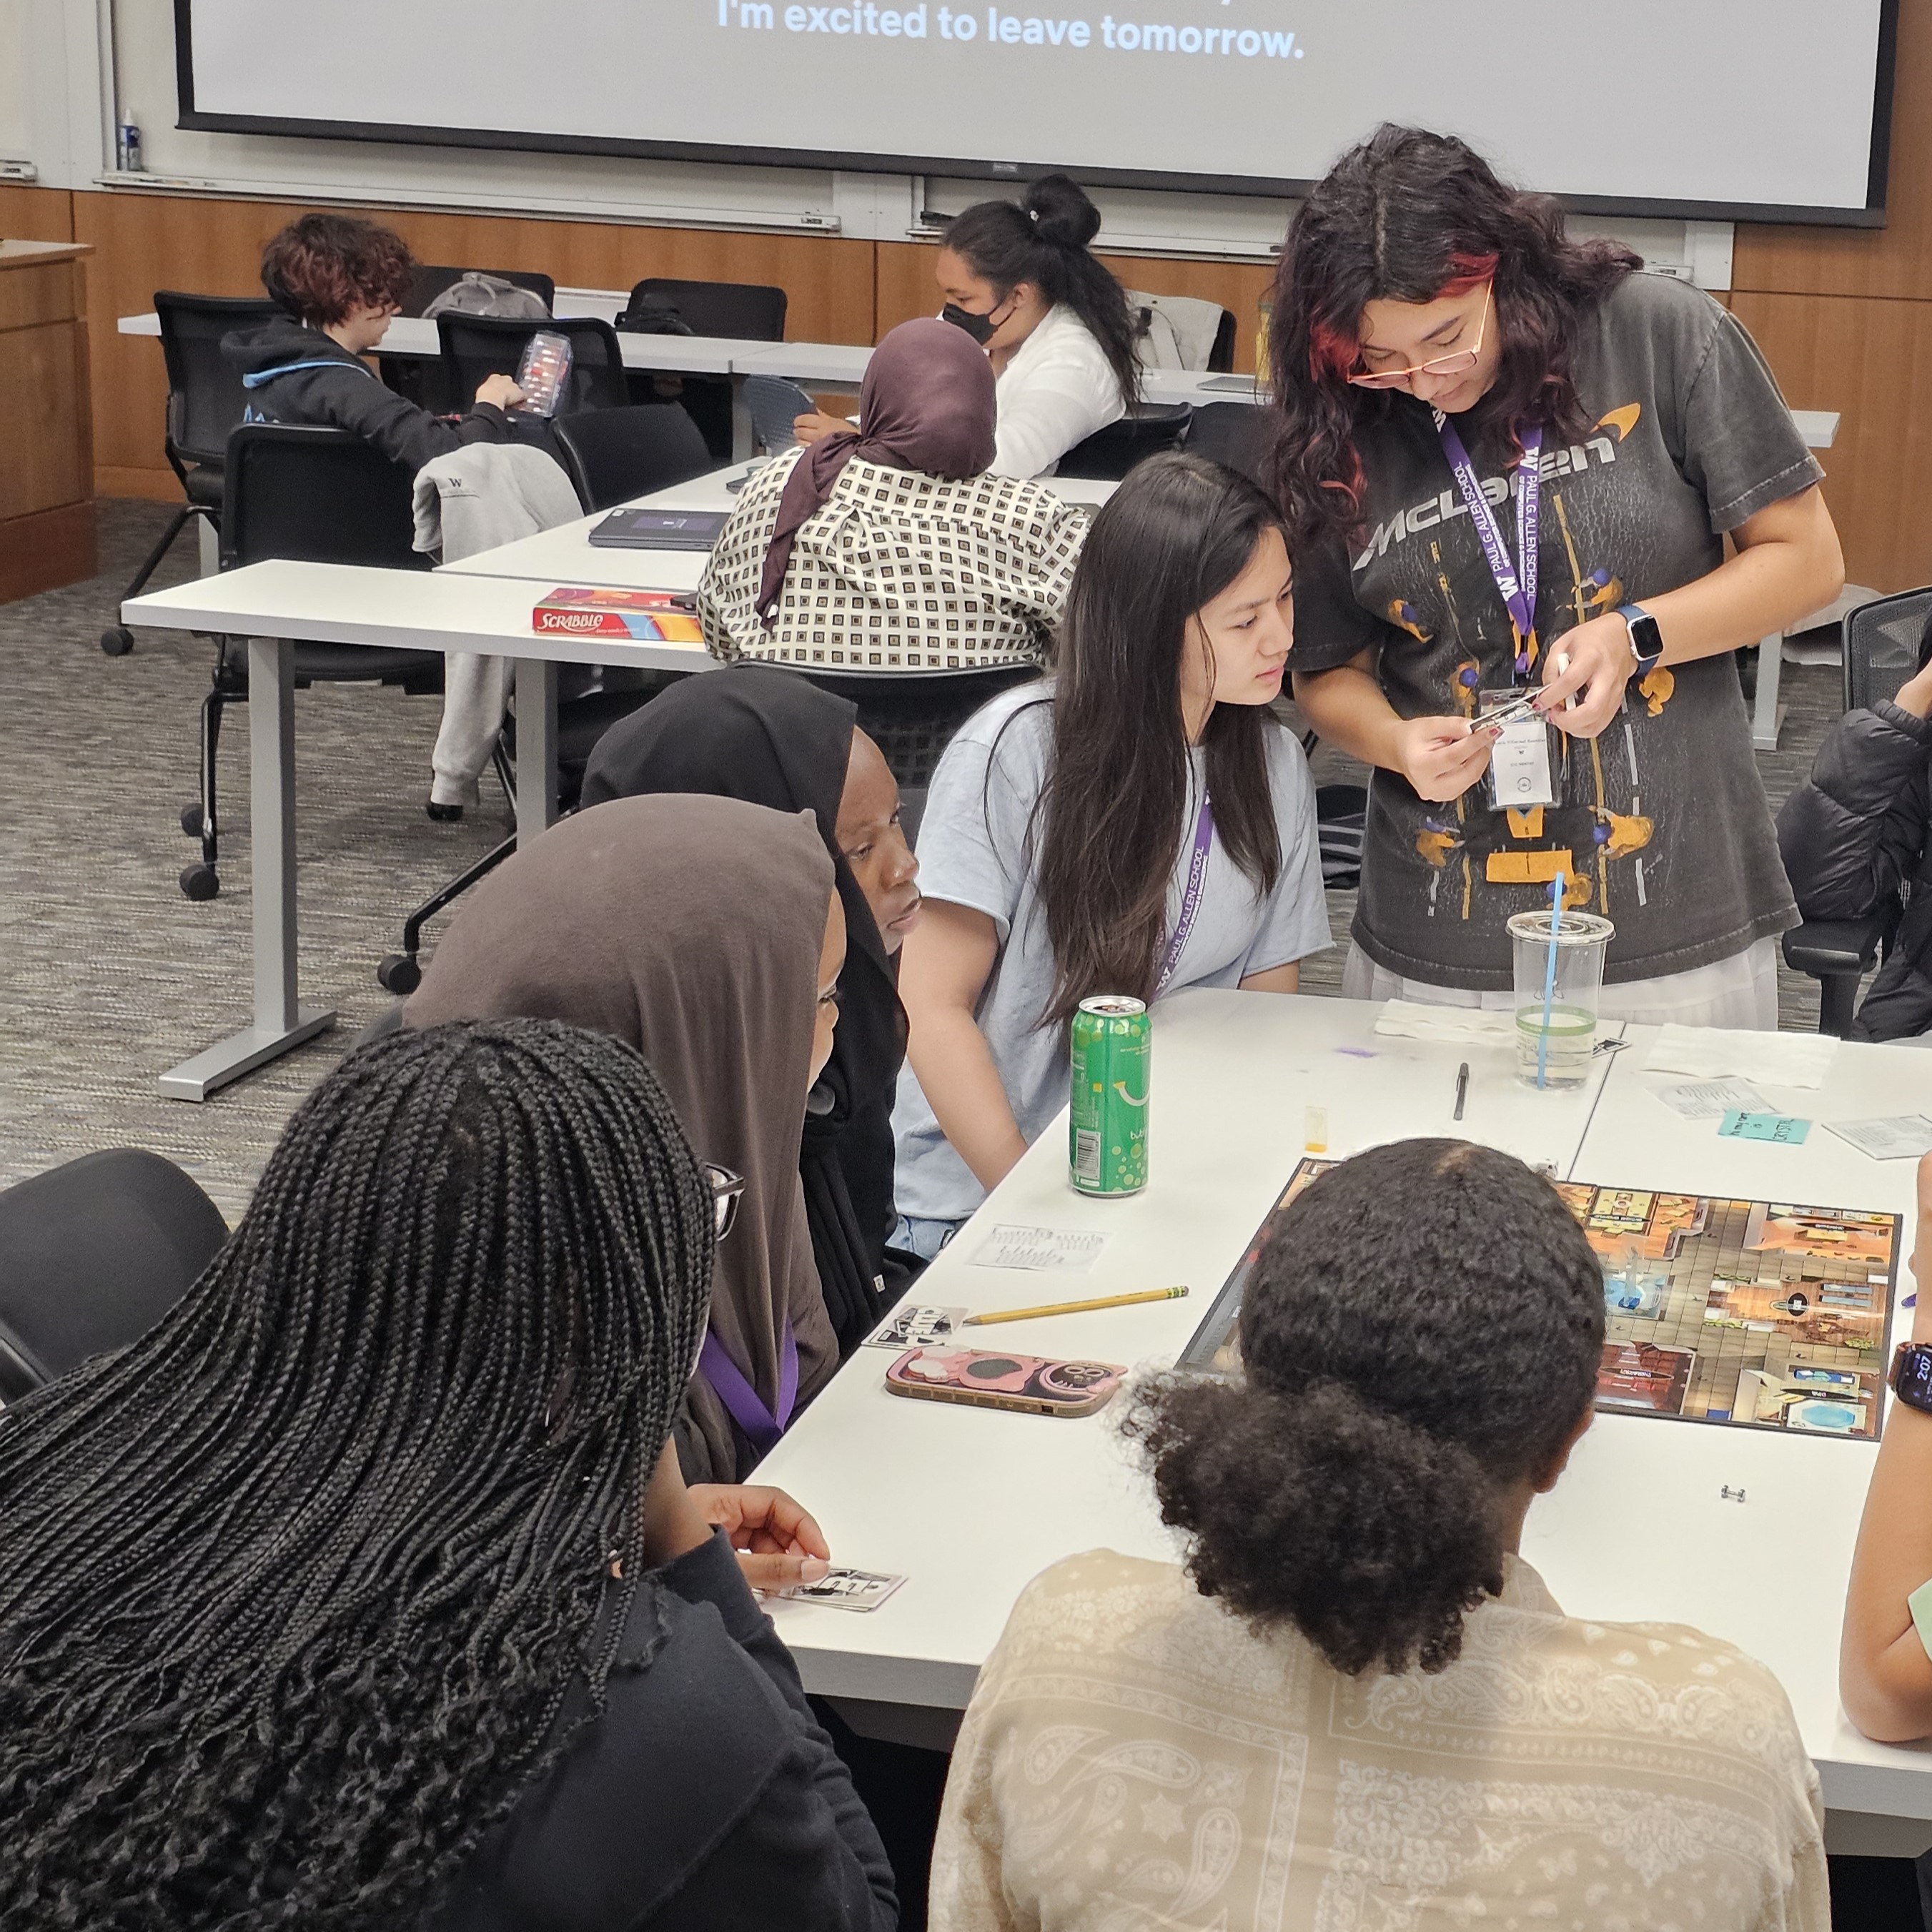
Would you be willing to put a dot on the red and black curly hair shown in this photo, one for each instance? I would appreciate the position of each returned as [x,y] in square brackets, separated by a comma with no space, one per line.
[324,267]
[1410,217]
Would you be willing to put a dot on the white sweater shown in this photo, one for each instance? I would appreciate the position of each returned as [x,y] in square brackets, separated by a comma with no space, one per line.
[1058,389]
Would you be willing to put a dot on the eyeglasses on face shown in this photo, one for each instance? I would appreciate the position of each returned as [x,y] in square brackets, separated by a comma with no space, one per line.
[725,1188]
[1442,365]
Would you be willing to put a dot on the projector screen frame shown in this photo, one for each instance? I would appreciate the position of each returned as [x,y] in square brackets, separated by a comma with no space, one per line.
[1872,215]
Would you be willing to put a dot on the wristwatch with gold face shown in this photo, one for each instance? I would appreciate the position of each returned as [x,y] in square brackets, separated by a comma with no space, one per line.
[1646,640]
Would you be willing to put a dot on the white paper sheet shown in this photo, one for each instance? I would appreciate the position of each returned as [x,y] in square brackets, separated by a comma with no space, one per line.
[1038,1249]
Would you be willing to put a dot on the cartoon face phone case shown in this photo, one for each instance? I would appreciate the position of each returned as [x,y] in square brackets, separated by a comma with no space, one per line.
[987,1378]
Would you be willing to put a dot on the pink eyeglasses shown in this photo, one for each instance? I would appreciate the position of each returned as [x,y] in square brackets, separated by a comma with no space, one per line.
[1443,365]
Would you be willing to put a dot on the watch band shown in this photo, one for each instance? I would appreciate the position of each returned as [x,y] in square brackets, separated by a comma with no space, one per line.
[1646,640]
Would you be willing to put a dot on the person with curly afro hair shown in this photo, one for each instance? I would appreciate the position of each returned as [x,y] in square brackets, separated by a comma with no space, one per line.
[341,281]
[1354,1704]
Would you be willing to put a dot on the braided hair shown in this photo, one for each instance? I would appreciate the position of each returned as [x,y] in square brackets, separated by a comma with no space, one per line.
[292,1589]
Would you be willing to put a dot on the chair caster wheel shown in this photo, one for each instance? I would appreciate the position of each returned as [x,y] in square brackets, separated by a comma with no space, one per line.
[191,820]
[399,974]
[117,641]
[200,881]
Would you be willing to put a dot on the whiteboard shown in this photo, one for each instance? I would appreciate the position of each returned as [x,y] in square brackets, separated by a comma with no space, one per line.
[1710,108]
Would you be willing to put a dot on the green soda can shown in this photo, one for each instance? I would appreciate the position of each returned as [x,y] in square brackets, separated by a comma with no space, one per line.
[1113,1066]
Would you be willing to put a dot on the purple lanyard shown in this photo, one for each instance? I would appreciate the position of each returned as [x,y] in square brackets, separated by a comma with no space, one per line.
[1190,899]
[1518,594]
[747,1407]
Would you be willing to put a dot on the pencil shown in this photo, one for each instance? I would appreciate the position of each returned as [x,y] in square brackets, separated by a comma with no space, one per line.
[1462,1089]
[1073,1307]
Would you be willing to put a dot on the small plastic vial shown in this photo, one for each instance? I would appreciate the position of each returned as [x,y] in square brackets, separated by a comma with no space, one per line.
[1315,1129]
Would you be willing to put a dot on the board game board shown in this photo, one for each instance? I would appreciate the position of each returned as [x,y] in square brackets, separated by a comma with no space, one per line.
[1763,1314]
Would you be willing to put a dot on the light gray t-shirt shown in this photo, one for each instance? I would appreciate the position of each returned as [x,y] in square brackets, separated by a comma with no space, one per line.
[974,850]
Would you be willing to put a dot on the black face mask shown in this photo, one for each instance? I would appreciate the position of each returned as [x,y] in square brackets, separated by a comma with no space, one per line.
[980,327]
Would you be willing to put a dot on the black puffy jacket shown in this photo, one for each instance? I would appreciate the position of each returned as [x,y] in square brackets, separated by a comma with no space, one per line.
[1856,834]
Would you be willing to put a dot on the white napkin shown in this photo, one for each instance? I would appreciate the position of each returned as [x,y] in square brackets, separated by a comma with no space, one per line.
[1466,1026]
[1771,1059]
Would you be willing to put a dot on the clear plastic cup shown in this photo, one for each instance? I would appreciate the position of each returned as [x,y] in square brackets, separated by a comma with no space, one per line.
[1554,1050]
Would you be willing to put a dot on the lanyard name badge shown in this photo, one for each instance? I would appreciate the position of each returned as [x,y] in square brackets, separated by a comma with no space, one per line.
[1521,772]
[1190,898]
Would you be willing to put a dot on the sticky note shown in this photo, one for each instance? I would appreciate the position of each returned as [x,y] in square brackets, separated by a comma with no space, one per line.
[1739,1125]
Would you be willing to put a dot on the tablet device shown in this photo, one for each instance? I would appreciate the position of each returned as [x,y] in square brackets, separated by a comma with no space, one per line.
[659,529]
[1233,386]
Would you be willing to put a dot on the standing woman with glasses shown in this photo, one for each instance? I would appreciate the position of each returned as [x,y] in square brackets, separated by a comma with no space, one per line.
[1508,460]
[707,933]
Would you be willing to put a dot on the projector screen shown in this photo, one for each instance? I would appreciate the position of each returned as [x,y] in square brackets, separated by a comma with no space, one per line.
[1724,108]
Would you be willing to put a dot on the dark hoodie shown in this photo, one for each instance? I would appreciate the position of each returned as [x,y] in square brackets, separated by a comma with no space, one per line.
[292,374]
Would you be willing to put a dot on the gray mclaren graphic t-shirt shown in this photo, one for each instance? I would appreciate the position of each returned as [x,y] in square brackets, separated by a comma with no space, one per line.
[1661,823]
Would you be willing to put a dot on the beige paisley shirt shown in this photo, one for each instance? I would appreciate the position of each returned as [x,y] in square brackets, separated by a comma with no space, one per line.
[896,571]
[1135,1757]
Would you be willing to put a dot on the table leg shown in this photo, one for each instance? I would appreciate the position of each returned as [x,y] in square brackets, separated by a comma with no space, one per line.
[744,440]
[536,747]
[208,544]
[1767,714]
[281,1021]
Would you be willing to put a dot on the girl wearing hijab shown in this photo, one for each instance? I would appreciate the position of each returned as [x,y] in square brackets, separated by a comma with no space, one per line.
[890,548]
[632,921]
[763,734]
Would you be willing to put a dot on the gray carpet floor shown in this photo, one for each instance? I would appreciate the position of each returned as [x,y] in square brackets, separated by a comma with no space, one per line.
[108,975]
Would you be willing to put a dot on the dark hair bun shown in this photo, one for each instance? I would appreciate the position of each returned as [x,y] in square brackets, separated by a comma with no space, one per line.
[1061,212]
[1318,1509]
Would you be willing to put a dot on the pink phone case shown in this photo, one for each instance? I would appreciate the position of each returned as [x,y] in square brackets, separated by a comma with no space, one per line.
[989,1379]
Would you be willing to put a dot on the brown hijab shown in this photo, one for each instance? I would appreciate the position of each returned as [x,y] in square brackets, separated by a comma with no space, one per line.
[927,404]
[691,928]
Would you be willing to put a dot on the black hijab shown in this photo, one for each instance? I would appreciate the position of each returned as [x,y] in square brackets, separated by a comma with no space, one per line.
[767,735]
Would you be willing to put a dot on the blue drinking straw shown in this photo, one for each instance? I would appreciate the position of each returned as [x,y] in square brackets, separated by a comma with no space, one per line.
[1549,981]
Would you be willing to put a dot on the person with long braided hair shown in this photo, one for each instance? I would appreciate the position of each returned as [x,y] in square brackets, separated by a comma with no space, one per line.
[364,1591]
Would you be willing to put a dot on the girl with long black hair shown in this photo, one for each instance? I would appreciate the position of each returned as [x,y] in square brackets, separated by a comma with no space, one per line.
[1067,820]
[1020,278]
[364,1591]
[1507,460]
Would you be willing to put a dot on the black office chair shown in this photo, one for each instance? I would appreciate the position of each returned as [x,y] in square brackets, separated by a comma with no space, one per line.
[614,455]
[1235,433]
[205,400]
[422,379]
[1884,643]
[1221,357]
[477,346]
[749,310]
[1146,429]
[580,722]
[318,495]
[913,715]
[93,1253]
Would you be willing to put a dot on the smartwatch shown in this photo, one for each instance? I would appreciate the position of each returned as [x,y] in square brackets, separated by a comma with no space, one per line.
[1646,640]
[1911,1376]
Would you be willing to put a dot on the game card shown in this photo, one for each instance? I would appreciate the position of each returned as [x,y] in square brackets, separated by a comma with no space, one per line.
[1711,1099]
[1780,1129]
[1038,1249]
[916,1325]
[846,1590]
[1898,1137]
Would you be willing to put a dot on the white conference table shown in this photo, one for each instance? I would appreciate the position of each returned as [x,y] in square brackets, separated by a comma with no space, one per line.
[475,606]
[566,555]
[969,1504]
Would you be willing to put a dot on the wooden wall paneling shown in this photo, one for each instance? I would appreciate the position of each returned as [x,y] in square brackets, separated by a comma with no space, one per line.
[147,241]
[906,287]
[41,420]
[35,213]
[1872,361]
[1893,262]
